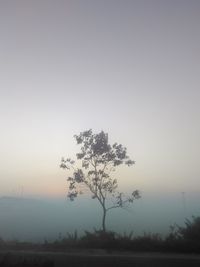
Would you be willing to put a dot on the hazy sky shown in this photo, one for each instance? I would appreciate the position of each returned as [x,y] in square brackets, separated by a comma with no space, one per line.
[130,68]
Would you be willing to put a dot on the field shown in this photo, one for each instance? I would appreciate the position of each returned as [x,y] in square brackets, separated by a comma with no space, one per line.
[92,258]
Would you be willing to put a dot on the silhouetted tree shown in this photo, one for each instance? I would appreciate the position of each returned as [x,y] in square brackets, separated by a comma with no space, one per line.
[98,160]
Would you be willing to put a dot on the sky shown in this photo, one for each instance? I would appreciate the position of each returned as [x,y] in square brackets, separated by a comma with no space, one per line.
[130,68]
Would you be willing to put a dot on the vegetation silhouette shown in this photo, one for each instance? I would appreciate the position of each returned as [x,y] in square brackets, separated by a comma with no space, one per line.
[98,160]
[185,239]
[180,239]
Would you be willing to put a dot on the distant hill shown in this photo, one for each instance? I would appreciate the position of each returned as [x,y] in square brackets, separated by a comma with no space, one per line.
[22,218]
[39,219]
[36,220]
[16,200]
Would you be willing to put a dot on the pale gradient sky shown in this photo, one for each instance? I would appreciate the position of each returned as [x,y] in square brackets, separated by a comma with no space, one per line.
[130,68]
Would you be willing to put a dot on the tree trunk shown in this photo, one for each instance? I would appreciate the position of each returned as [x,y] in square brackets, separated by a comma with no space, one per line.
[104,220]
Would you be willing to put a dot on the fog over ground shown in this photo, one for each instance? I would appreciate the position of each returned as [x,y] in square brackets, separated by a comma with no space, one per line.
[40,219]
[129,68]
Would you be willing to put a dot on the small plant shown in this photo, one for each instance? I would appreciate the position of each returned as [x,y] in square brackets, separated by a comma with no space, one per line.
[191,231]
[98,239]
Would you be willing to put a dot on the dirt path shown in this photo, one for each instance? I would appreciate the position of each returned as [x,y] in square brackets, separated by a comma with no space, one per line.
[101,259]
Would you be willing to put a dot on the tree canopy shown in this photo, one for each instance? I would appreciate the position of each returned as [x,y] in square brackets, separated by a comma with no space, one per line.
[98,161]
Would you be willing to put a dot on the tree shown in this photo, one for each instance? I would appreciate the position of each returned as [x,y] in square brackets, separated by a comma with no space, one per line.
[98,160]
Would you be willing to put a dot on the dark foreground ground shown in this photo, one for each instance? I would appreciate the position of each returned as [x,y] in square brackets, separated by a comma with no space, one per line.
[95,259]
